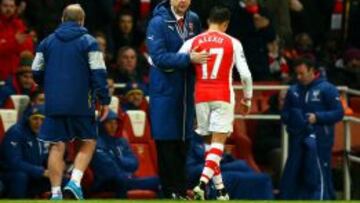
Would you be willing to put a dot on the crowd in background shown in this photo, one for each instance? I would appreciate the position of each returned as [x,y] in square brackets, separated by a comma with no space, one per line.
[273,33]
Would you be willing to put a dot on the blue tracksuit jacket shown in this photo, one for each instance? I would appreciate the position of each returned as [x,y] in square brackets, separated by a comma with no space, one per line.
[113,157]
[171,81]
[21,151]
[307,173]
[71,68]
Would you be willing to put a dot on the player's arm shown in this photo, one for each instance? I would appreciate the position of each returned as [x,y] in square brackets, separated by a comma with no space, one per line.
[245,74]
[196,56]
[38,65]
[186,47]
[98,76]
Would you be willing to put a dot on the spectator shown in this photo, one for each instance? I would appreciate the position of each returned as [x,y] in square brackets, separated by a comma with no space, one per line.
[171,90]
[267,142]
[135,97]
[131,6]
[349,75]
[126,33]
[279,68]
[71,68]
[330,51]
[311,109]
[13,39]
[101,40]
[255,32]
[239,179]
[280,13]
[127,68]
[43,15]
[312,17]
[36,98]
[303,47]
[114,163]
[24,157]
[21,83]
[99,17]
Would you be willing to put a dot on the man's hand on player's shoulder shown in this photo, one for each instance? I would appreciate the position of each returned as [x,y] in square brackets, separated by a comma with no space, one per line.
[197,56]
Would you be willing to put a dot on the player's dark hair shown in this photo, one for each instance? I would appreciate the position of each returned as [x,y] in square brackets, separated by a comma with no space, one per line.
[310,63]
[219,14]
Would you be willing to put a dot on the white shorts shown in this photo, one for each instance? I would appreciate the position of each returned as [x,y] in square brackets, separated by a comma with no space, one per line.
[216,116]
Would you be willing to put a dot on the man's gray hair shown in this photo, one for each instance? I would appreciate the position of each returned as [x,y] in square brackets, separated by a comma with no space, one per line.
[73,12]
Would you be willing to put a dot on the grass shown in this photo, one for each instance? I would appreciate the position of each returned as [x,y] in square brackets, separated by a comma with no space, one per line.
[156,201]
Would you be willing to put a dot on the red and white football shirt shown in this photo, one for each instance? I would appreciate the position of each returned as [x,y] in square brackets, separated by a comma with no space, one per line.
[214,79]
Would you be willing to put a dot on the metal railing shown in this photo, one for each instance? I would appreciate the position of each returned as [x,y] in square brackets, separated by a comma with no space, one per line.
[348,157]
[285,138]
[347,131]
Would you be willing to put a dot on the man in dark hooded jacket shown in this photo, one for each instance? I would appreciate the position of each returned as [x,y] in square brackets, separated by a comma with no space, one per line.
[70,66]
[24,157]
[114,162]
[311,109]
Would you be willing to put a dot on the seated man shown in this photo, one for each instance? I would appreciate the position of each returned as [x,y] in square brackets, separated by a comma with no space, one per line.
[240,180]
[37,97]
[22,83]
[114,162]
[24,157]
[135,97]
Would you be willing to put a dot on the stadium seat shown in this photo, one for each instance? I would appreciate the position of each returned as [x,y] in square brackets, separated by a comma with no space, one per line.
[18,102]
[138,119]
[136,127]
[146,165]
[8,118]
[141,194]
[242,147]
[354,104]
[146,168]
[114,104]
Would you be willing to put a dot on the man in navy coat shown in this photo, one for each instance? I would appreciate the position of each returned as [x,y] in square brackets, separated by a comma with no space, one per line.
[171,89]
[312,107]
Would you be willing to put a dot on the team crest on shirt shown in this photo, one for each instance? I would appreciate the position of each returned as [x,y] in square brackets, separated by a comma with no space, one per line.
[315,95]
[30,143]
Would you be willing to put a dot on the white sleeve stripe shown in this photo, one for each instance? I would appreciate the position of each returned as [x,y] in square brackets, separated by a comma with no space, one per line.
[39,62]
[186,47]
[243,68]
[96,60]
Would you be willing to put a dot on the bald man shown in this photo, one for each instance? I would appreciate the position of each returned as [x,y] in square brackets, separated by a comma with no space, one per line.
[70,67]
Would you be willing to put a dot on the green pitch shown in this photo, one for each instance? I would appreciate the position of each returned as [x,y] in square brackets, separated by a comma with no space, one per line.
[163,201]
